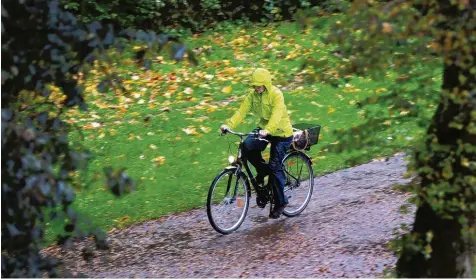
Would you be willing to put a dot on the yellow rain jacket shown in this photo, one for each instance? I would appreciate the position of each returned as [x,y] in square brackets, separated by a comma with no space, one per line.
[268,106]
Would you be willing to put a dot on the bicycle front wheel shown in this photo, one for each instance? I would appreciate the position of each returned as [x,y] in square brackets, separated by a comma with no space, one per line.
[299,183]
[227,202]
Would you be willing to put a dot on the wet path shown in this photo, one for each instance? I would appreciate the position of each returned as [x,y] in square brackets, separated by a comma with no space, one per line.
[342,233]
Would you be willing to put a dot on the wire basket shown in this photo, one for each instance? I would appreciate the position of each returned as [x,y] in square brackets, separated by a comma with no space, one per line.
[305,136]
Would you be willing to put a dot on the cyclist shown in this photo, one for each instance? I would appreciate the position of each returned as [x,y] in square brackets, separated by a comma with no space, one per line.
[267,103]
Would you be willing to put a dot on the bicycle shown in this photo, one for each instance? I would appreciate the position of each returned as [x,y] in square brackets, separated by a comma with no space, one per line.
[231,196]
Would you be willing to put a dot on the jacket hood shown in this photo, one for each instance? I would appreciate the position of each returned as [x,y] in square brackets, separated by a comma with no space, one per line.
[261,77]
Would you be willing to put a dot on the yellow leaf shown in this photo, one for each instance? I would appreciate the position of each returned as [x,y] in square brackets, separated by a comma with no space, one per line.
[159,160]
[153,146]
[205,129]
[122,109]
[131,136]
[230,70]
[190,130]
[122,219]
[226,89]
[331,110]
[102,135]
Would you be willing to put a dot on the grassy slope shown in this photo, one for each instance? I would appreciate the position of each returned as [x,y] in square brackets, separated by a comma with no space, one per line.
[173,166]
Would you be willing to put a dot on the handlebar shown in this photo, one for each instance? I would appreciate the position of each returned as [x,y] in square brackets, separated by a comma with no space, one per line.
[239,134]
[244,134]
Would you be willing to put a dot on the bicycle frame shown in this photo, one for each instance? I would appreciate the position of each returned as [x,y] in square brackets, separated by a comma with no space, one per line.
[242,161]
[243,173]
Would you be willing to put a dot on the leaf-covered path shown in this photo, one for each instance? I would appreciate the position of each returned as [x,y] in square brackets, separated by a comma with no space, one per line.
[343,233]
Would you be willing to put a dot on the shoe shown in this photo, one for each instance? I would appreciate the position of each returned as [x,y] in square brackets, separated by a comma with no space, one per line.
[277,211]
[261,202]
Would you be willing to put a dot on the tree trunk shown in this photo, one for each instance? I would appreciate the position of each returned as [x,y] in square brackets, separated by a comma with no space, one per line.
[446,154]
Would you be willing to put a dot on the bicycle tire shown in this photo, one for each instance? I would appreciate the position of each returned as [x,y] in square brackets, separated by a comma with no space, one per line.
[309,182]
[211,191]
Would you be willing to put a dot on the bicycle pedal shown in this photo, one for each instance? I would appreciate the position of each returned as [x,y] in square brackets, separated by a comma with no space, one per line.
[260,203]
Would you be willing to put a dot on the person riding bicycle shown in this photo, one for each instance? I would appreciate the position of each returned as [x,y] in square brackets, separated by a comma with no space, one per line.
[267,103]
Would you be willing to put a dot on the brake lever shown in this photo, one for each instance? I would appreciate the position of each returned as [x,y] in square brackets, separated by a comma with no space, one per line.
[223,132]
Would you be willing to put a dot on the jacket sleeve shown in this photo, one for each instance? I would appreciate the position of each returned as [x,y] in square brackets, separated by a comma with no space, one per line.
[277,111]
[240,113]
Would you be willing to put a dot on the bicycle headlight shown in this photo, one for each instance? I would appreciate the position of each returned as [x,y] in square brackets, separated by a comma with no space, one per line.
[231,159]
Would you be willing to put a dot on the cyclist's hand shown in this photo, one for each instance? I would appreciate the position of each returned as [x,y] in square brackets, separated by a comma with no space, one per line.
[263,133]
[224,128]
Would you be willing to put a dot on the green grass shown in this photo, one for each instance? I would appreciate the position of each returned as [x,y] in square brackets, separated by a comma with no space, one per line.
[191,161]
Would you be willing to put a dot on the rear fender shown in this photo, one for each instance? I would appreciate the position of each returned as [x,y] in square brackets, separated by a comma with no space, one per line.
[301,153]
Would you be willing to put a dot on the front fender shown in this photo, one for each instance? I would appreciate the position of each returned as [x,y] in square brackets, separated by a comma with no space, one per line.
[231,168]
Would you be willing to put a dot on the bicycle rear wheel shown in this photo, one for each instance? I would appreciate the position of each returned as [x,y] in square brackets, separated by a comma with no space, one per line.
[299,183]
[227,202]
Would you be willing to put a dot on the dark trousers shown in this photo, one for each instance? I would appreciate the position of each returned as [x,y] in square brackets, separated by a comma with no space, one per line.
[279,146]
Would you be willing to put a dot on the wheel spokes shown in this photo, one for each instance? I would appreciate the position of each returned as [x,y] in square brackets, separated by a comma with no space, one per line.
[230,201]
[298,183]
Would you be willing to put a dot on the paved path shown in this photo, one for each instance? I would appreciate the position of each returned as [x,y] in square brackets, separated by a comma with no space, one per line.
[342,233]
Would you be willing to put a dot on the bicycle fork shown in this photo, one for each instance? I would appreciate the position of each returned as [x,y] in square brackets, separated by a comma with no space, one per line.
[229,186]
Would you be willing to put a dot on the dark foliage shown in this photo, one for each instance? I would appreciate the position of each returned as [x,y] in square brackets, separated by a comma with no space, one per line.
[44,47]
[402,35]
[192,15]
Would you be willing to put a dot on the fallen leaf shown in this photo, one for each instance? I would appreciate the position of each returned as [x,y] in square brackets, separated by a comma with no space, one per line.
[226,89]
[316,104]
[160,160]
[239,202]
[189,131]
[205,129]
[188,90]
[122,219]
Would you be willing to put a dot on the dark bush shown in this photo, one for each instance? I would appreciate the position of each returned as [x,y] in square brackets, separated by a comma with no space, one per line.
[193,15]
